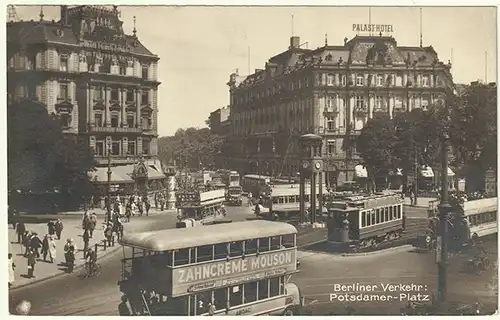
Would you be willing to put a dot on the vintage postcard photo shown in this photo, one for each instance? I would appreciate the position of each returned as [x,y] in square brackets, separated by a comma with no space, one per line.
[214,160]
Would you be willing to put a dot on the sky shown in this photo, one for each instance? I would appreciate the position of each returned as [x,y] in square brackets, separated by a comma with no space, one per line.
[199,47]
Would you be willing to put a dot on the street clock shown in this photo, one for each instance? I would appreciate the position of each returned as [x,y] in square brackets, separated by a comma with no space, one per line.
[313,165]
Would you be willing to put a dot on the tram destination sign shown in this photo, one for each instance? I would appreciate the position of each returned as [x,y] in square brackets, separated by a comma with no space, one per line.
[223,273]
[363,27]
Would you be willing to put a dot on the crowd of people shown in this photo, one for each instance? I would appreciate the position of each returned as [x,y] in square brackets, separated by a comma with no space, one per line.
[34,248]
[461,196]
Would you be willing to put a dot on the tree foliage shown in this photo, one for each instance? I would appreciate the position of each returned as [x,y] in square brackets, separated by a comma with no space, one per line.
[469,120]
[375,144]
[40,157]
[197,147]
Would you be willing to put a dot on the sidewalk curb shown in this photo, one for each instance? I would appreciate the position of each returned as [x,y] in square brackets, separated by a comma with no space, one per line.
[63,273]
[361,254]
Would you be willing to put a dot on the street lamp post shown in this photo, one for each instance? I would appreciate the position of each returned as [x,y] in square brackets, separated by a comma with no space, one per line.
[444,210]
[108,212]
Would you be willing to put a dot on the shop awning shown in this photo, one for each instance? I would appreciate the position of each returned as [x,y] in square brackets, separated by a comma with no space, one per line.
[360,171]
[119,174]
[154,173]
[427,172]
[450,173]
[122,174]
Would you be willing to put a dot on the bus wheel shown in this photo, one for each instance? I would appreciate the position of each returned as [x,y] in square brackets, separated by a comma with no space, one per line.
[289,312]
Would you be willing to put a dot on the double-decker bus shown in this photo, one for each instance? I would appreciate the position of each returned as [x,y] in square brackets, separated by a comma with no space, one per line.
[365,220]
[199,208]
[239,268]
[481,216]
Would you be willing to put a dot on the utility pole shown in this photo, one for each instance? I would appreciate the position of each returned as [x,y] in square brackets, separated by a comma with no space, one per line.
[444,209]
[108,212]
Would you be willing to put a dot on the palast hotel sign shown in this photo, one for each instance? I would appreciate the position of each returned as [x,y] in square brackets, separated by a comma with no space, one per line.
[360,27]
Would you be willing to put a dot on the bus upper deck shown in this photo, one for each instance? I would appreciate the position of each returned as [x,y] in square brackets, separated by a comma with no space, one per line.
[238,268]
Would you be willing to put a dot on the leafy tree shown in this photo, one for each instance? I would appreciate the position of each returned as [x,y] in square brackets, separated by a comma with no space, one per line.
[474,131]
[41,158]
[417,139]
[196,147]
[375,145]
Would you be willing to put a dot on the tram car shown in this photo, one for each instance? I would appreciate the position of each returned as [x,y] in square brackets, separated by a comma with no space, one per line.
[365,220]
[283,202]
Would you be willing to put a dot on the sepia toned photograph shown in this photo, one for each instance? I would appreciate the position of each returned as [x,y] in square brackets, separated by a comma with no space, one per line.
[251,160]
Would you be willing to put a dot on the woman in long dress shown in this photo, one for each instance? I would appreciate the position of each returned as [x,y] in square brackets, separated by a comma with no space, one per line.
[52,249]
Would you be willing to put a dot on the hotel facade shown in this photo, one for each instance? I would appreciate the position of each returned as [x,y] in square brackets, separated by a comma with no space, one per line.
[331,91]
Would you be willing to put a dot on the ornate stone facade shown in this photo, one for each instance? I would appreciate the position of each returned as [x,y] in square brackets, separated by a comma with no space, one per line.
[84,68]
[331,91]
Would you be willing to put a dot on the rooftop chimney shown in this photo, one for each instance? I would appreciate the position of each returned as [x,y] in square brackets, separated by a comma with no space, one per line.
[294,42]
[64,15]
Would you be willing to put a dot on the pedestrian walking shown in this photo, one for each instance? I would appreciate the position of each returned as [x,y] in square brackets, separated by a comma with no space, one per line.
[86,239]
[69,255]
[128,212]
[51,227]
[148,206]
[59,228]
[52,249]
[12,267]
[45,247]
[108,233]
[31,263]
[93,224]
[36,244]
[26,242]
[20,230]
[141,208]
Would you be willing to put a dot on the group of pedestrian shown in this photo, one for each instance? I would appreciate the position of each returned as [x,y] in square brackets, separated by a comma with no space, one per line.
[34,248]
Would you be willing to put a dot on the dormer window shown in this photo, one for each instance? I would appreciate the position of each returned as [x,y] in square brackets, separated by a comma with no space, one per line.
[145,72]
[360,80]
[63,63]
[344,80]
[330,79]
[425,81]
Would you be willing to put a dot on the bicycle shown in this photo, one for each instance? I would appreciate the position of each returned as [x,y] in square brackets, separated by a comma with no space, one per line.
[95,271]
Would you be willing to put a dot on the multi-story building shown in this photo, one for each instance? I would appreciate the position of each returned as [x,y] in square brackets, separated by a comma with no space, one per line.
[101,82]
[331,91]
[219,121]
